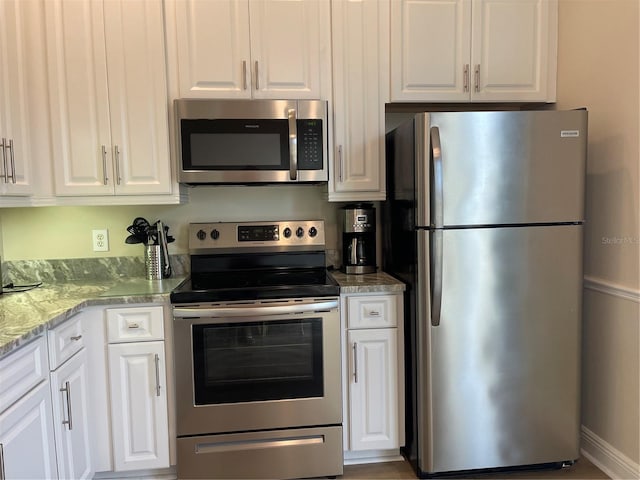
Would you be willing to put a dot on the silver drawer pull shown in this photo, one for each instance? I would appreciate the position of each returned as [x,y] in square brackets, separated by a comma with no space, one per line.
[76,338]
[374,313]
[133,325]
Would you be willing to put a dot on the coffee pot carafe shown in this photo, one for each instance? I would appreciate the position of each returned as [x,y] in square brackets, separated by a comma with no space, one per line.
[359,239]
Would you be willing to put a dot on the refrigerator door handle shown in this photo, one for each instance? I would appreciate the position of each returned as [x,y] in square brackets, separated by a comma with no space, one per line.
[436,152]
[436,277]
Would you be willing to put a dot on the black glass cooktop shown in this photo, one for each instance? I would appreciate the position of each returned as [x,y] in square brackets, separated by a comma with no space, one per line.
[246,277]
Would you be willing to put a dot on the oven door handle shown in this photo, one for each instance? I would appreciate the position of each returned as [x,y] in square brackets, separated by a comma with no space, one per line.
[246,311]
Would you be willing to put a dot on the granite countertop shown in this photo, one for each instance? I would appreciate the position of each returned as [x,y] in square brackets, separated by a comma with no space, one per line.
[26,314]
[378,282]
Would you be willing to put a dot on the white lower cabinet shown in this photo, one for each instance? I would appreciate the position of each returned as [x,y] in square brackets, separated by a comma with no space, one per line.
[69,395]
[26,430]
[373,396]
[138,405]
[373,374]
[69,390]
[138,388]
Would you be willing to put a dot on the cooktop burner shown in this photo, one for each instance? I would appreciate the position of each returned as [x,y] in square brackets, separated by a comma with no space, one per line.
[256,261]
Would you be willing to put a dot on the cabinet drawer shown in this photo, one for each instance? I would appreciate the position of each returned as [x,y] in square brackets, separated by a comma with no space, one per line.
[64,340]
[135,324]
[372,311]
[21,371]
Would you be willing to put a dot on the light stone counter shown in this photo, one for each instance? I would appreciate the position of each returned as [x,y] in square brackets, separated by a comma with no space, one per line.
[24,315]
[378,282]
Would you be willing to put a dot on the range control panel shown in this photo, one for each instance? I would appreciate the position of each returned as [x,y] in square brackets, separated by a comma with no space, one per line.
[279,235]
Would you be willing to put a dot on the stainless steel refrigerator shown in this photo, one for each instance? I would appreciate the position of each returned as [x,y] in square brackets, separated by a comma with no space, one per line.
[484,223]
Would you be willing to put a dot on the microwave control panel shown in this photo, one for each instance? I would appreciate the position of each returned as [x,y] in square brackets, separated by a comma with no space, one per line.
[309,144]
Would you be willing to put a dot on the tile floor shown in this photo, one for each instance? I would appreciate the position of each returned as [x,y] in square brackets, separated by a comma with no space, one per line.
[582,470]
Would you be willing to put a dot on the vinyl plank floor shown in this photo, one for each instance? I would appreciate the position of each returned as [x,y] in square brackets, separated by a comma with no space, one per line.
[583,469]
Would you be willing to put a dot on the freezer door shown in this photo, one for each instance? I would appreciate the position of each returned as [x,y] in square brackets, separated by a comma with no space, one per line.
[500,168]
[498,382]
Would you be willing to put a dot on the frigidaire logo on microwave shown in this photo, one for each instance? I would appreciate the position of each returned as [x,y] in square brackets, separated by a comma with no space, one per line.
[251,141]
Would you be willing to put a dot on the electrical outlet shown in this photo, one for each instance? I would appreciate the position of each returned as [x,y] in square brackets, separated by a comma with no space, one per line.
[100,240]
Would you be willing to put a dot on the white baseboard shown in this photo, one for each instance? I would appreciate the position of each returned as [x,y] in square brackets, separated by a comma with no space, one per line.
[607,458]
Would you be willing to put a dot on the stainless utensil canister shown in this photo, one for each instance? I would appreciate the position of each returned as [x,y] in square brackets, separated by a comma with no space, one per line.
[153,262]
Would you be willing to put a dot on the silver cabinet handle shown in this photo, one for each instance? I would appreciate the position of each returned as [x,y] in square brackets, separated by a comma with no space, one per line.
[244,74]
[67,389]
[374,313]
[104,166]
[355,362]
[133,325]
[116,155]
[2,474]
[465,77]
[76,338]
[157,360]
[340,163]
[13,163]
[477,77]
[293,144]
[257,77]
[4,160]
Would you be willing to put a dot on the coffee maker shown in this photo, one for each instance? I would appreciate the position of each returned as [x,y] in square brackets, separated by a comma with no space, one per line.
[359,238]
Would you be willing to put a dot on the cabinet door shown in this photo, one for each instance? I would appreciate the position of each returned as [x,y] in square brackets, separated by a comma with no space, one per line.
[510,49]
[26,437]
[69,391]
[373,389]
[138,98]
[212,43]
[78,93]
[430,50]
[290,48]
[360,38]
[139,405]
[15,152]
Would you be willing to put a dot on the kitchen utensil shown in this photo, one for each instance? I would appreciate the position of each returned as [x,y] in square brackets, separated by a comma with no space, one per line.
[162,240]
[133,239]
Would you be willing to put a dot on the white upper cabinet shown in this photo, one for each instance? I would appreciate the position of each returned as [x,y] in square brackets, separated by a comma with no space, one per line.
[251,48]
[480,50]
[360,49]
[15,150]
[108,91]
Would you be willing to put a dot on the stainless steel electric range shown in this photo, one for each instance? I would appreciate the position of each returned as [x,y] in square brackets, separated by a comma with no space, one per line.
[257,354]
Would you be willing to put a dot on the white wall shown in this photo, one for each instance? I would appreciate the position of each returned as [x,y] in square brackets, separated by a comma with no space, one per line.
[65,232]
[598,61]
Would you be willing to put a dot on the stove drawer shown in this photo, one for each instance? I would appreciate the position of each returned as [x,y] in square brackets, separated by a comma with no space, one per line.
[299,453]
[135,324]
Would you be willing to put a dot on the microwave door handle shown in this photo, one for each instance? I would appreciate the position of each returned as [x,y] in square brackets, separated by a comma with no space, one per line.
[293,145]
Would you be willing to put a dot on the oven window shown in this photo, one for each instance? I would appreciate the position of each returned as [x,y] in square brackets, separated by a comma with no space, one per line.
[257,361]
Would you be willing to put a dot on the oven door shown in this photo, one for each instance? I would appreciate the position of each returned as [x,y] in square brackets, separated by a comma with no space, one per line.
[255,366]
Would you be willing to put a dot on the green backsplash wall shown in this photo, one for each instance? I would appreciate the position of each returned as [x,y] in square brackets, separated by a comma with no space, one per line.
[65,232]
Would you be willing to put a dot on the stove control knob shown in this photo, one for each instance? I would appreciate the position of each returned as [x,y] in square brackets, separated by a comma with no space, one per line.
[287,232]
[215,234]
[299,232]
[313,231]
[201,234]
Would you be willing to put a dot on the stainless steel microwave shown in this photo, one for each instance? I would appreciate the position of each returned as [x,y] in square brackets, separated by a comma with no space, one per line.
[251,141]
